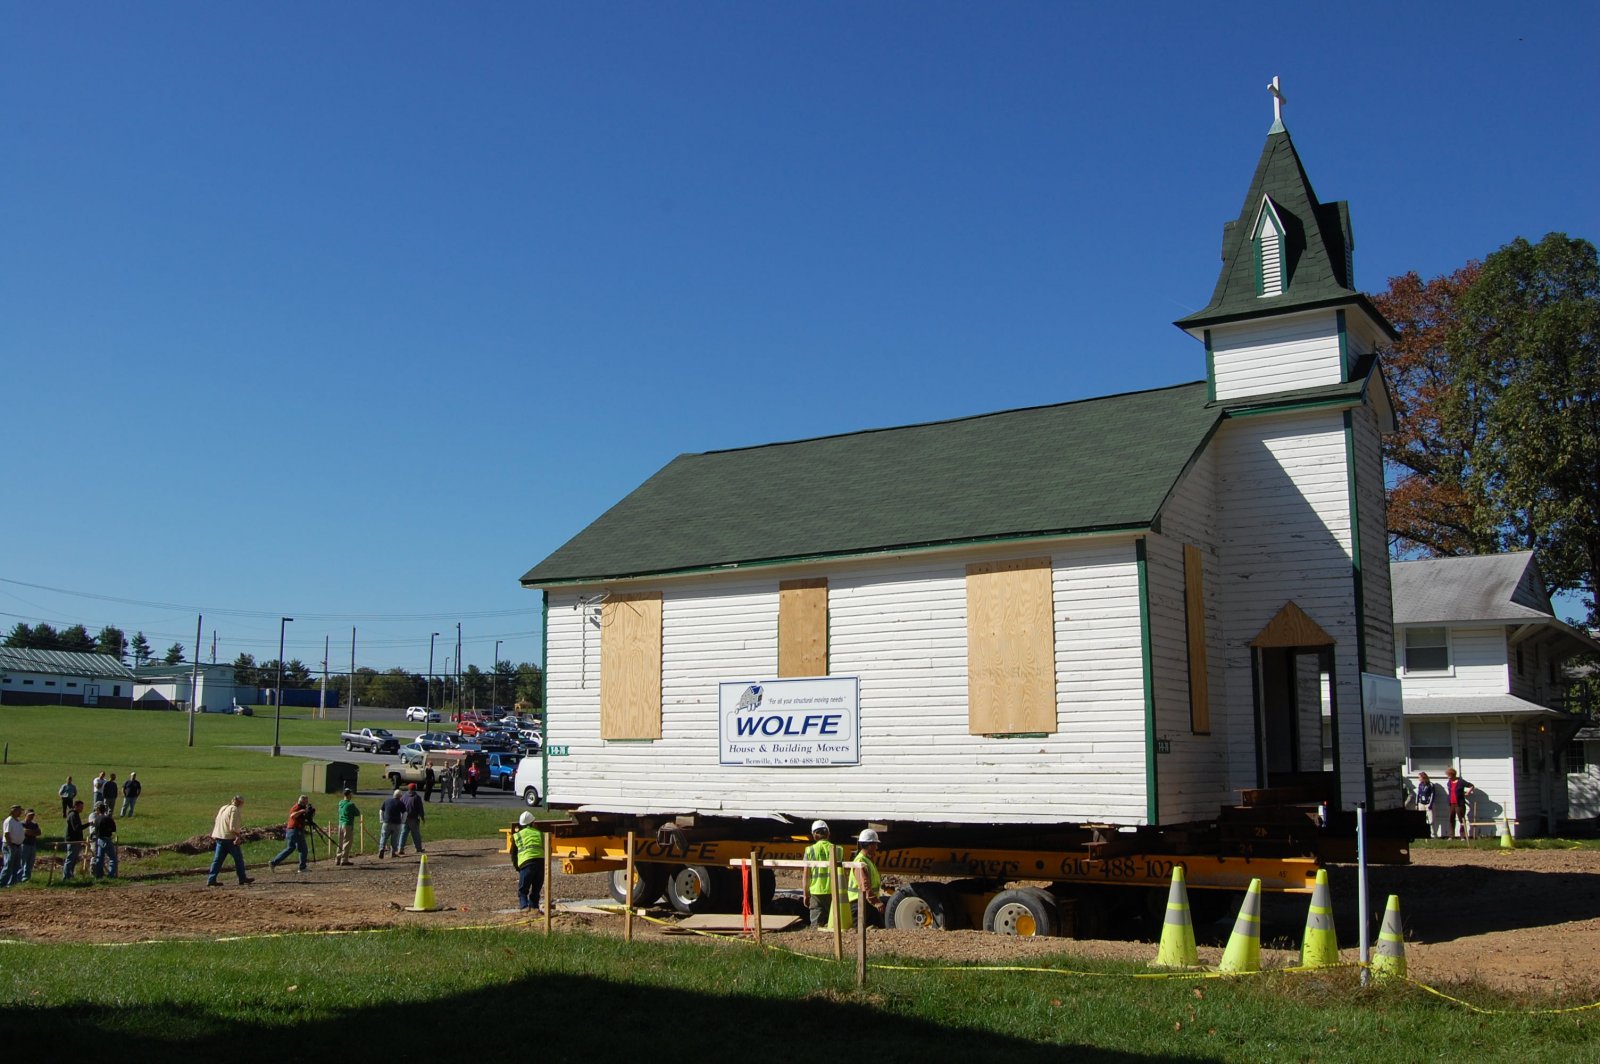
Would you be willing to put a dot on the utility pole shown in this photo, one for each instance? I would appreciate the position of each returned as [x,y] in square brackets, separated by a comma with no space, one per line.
[494,684]
[277,716]
[322,699]
[194,678]
[350,699]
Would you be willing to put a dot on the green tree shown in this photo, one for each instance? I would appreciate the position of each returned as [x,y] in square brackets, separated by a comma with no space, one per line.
[111,640]
[396,687]
[21,635]
[1529,342]
[141,649]
[245,672]
[174,654]
[530,685]
[76,638]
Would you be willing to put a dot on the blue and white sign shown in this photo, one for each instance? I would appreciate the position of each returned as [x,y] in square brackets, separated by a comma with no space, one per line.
[800,723]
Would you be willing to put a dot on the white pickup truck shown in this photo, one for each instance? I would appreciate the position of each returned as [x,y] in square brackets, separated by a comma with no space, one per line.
[373,740]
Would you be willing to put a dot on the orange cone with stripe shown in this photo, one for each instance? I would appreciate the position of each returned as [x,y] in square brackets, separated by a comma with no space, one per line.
[424,902]
[1177,930]
[1244,945]
[1320,947]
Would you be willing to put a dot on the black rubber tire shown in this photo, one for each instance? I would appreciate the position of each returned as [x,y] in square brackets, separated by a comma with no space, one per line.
[349,746]
[692,889]
[530,794]
[648,882]
[923,907]
[1025,912]
[394,778]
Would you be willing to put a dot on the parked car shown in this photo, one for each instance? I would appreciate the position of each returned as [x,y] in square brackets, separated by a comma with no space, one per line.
[468,727]
[526,780]
[411,754]
[373,740]
[437,740]
[423,714]
[503,770]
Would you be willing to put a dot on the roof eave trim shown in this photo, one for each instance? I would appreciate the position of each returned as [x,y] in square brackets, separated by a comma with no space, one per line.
[1201,319]
[842,555]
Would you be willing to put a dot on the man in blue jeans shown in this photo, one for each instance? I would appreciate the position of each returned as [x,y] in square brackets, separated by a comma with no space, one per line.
[227,832]
[14,834]
[301,815]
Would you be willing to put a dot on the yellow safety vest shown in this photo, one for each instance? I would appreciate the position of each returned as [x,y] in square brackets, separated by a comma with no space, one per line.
[874,880]
[530,845]
[817,878]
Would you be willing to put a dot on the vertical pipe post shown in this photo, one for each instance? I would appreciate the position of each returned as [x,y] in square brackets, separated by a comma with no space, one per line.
[627,894]
[755,891]
[194,678]
[836,911]
[861,938]
[549,883]
[1361,890]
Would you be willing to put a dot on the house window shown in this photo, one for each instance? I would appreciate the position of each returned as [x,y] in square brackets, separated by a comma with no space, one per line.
[27,683]
[1427,650]
[1269,252]
[1432,746]
[1575,758]
[803,627]
[71,684]
[49,683]
[1519,661]
[630,666]
[1011,676]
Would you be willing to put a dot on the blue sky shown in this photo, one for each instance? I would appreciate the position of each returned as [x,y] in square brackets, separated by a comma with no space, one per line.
[354,312]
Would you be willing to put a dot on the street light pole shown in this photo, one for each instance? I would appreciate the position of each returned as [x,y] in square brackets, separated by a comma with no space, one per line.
[494,684]
[277,716]
[431,638]
[444,688]
[459,700]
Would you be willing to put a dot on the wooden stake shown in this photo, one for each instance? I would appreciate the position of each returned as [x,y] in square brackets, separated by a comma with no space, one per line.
[627,895]
[835,910]
[861,940]
[755,891]
[549,898]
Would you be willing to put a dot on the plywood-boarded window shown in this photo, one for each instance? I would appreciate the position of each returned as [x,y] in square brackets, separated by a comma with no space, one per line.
[1194,605]
[1011,648]
[803,627]
[630,666]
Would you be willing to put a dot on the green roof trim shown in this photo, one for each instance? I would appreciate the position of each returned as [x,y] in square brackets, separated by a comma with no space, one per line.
[1092,466]
[1314,247]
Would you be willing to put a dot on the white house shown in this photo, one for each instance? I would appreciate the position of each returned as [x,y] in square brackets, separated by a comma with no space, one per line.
[172,686]
[1122,611]
[62,678]
[1481,673]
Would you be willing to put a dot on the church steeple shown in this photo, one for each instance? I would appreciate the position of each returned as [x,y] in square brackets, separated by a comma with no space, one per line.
[1287,253]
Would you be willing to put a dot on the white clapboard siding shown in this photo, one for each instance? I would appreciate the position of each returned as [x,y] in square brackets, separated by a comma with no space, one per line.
[900,626]
[1477,666]
[1283,534]
[1277,354]
[1192,777]
[1378,604]
[1484,759]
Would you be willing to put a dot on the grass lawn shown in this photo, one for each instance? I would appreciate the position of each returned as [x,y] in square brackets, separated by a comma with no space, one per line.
[503,993]
[184,786]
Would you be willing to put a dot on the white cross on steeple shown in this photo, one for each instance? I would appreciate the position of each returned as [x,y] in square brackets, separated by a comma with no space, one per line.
[1278,100]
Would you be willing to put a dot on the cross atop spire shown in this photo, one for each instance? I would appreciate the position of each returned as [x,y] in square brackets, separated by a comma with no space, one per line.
[1278,102]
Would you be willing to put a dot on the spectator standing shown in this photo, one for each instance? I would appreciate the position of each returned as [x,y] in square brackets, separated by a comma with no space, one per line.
[527,855]
[349,816]
[11,837]
[68,792]
[392,826]
[96,791]
[302,814]
[1459,793]
[415,814]
[227,836]
[74,837]
[109,792]
[30,843]
[104,828]
[428,782]
[130,793]
[447,784]
[1428,803]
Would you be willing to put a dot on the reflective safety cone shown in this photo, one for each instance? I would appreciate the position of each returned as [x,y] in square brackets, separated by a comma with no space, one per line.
[1177,930]
[1508,841]
[1389,960]
[1320,947]
[1244,945]
[424,902]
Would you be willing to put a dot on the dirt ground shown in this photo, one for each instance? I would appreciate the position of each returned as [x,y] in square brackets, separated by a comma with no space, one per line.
[1525,920]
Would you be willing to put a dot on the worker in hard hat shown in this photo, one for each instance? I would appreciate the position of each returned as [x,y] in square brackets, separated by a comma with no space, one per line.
[866,879]
[527,854]
[819,891]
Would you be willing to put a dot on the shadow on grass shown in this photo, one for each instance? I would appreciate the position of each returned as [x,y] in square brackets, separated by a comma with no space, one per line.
[546,1018]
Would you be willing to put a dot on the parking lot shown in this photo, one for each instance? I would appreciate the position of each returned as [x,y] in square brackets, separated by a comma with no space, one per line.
[371,779]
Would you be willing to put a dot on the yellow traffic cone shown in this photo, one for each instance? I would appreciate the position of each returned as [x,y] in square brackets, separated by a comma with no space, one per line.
[1389,960]
[1177,930]
[1320,947]
[1508,841]
[1244,945]
[424,902]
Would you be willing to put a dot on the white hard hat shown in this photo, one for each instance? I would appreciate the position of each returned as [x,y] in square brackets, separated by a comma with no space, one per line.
[868,836]
[525,819]
[818,825]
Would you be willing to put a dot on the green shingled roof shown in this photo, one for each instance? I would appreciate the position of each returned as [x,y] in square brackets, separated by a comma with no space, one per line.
[1097,464]
[1314,246]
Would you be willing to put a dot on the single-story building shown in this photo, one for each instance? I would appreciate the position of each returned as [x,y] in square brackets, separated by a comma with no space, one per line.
[172,687]
[31,677]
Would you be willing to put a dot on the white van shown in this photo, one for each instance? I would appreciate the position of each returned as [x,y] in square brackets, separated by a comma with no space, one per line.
[530,774]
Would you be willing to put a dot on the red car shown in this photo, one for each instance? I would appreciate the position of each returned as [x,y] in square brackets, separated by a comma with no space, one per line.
[469,727]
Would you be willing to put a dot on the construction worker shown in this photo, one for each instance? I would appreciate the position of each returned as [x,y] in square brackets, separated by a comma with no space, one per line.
[866,879]
[819,891]
[527,854]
